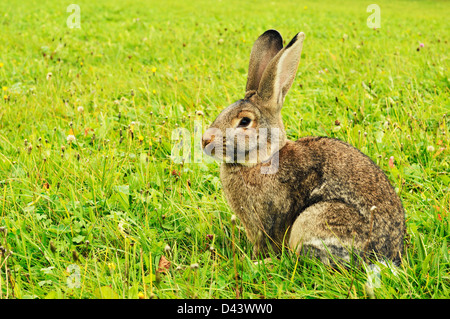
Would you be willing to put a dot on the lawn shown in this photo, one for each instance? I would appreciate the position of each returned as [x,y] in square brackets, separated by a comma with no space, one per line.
[92,205]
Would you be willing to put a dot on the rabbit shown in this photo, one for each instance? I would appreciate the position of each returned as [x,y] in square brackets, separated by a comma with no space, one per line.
[322,196]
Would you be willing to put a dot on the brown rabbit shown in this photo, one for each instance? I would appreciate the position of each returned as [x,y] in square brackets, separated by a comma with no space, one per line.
[317,194]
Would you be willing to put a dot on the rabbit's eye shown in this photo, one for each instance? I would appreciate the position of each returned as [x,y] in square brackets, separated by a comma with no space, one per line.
[245,121]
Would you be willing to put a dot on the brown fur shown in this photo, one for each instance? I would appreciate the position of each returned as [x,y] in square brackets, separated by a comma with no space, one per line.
[325,196]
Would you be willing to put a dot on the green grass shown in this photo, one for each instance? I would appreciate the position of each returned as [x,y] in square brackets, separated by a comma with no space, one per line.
[111,202]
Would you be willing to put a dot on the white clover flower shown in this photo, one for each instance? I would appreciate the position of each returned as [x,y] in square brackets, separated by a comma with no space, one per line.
[194,266]
[71,138]
[80,109]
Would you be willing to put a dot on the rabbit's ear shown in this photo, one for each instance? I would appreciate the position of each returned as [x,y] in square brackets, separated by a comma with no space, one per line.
[280,73]
[265,48]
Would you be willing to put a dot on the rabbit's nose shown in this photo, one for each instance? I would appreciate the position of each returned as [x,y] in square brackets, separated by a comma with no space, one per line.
[207,139]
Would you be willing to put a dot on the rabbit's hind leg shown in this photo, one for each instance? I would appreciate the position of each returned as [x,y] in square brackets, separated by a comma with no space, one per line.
[331,231]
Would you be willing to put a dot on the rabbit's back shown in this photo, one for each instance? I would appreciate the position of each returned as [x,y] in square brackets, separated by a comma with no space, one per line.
[349,175]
